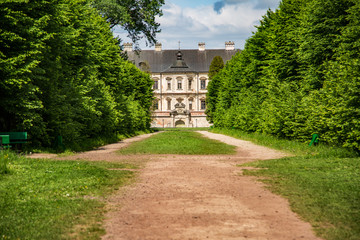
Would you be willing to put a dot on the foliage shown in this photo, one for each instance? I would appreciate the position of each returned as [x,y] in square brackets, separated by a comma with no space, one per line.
[178,142]
[62,75]
[135,16]
[216,65]
[5,158]
[298,75]
[43,199]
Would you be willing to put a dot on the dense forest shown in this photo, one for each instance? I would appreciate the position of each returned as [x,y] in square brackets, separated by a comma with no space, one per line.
[299,74]
[62,74]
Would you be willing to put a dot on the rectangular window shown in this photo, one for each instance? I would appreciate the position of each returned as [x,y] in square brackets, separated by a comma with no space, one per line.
[169,85]
[203,84]
[156,84]
[203,104]
[179,84]
[168,104]
[190,87]
[190,105]
[156,105]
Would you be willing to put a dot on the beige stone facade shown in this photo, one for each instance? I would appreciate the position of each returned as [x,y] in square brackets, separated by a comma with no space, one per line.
[180,100]
[180,82]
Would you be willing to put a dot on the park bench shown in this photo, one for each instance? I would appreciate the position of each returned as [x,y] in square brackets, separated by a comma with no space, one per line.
[7,139]
[4,141]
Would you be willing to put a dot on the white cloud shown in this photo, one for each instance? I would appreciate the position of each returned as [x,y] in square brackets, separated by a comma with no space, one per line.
[235,21]
[258,4]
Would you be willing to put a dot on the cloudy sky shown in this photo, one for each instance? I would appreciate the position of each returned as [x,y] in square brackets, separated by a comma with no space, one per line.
[209,21]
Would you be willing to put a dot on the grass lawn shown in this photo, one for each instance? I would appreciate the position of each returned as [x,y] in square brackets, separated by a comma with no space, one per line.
[45,199]
[321,183]
[178,141]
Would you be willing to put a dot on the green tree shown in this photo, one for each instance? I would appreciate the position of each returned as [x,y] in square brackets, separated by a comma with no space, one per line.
[298,75]
[137,17]
[216,65]
[320,26]
[21,42]
[62,74]
[281,73]
[339,98]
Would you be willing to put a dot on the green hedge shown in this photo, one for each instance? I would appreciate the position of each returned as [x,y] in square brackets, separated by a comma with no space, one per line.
[62,75]
[299,74]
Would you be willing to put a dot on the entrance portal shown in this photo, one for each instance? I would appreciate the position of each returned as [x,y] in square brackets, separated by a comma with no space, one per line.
[180,123]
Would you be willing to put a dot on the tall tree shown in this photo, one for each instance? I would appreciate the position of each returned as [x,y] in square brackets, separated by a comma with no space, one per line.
[281,73]
[320,25]
[61,74]
[213,87]
[21,42]
[137,17]
[339,98]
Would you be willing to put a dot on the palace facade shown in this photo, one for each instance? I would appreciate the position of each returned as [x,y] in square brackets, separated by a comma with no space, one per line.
[180,82]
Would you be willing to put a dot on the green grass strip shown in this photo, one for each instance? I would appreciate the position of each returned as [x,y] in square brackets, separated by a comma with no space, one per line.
[45,199]
[179,142]
[324,191]
[322,183]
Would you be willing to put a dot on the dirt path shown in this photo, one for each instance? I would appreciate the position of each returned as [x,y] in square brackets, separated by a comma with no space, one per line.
[196,197]
[200,197]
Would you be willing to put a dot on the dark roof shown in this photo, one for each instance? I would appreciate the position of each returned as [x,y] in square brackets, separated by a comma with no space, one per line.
[167,61]
[179,66]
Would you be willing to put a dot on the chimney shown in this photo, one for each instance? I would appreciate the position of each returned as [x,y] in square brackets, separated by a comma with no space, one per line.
[229,45]
[128,47]
[201,46]
[158,47]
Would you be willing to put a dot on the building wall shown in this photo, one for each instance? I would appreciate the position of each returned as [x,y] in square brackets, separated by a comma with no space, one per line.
[158,62]
[167,91]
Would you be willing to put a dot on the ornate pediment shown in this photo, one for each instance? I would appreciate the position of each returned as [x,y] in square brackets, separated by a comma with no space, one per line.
[180,109]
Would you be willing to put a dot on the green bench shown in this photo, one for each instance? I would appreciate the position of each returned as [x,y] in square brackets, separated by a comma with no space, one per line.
[4,141]
[7,139]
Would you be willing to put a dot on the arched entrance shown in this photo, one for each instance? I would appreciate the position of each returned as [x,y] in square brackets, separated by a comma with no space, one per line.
[180,123]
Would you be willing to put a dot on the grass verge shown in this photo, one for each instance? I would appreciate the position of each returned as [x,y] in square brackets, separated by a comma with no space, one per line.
[178,142]
[45,199]
[321,183]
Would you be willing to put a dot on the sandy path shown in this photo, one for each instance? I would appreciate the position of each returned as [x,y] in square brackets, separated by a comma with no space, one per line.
[200,197]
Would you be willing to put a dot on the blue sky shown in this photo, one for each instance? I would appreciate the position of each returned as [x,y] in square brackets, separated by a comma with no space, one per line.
[211,21]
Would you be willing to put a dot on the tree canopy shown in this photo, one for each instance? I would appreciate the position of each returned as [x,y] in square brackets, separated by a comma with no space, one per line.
[137,17]
[62,74]
[297,75]
[216,65]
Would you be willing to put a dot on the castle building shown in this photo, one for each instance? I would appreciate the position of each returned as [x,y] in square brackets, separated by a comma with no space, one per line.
[180,82]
